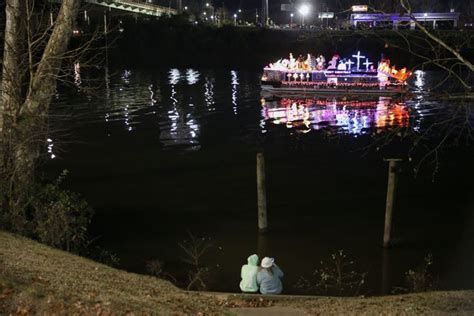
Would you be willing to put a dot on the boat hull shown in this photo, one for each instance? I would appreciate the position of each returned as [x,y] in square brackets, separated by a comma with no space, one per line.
[280,90]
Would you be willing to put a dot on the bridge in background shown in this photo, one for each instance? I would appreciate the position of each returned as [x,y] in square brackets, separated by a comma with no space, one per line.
[135,6]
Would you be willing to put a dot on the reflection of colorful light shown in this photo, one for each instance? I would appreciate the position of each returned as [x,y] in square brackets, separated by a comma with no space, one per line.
[351,116]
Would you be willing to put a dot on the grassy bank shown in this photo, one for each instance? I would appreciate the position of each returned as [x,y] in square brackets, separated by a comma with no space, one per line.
[36,279]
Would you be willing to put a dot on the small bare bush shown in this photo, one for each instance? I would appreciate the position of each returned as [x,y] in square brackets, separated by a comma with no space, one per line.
[422,279]
[156,268]
[195,250]
[335,276]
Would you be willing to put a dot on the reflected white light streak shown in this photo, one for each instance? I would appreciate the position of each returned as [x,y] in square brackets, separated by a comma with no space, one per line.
[152,95]
[174,75]
[209,94]
[126,76]
[419,79]
[50,148]
[77,75]
[235,83]
[192,76]
[126,115]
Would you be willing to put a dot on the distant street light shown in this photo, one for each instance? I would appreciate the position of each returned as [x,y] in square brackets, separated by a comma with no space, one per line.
[304,11]
[207,4]
[291,19]
[240,10]
[185,8]
[235,18]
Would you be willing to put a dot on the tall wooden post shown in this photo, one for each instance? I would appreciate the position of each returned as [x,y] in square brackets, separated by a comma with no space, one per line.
[386,272]
[391,186]
[261,194]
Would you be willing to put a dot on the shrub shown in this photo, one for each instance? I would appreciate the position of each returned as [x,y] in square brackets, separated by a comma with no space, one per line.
[60,218]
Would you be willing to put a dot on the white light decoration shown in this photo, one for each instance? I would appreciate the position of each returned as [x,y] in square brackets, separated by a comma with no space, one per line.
[349,64]
[358,57]
[367,64]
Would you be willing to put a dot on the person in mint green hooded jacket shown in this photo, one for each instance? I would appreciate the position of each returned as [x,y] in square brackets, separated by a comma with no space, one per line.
[249,275]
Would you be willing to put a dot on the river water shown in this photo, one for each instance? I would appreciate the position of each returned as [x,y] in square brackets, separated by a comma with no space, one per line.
[161,154]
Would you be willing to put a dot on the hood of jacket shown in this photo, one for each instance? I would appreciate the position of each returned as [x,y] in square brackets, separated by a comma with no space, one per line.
[253,260]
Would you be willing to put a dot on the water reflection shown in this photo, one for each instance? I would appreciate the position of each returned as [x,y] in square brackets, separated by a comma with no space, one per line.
[235,84]
[77,75]
[182,128]
[192,76]
[50,144]
[209,93]
[178,103]
[354,116]
[419,81]
[174,75]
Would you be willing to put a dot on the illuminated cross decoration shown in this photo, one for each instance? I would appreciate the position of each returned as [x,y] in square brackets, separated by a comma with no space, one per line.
[349,64]
[359,57]
[367,64]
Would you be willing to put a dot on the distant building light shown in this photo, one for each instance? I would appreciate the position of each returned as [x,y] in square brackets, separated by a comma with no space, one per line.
[360,8]
[425,14]
[304,9]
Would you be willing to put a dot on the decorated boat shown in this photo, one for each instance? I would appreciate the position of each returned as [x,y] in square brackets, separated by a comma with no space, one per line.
[311,74]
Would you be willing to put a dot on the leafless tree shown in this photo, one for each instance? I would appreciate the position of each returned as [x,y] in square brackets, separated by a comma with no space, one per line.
[36,56]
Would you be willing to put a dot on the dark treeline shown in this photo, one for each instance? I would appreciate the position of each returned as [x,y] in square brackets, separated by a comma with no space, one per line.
[175,42]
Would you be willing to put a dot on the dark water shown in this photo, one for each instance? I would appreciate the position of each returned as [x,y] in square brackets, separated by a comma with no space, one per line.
[160,153]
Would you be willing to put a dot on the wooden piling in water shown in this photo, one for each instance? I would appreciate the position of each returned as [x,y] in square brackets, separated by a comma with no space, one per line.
[391,186]
[261,194]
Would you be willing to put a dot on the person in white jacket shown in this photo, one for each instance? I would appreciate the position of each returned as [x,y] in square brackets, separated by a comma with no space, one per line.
[248,274]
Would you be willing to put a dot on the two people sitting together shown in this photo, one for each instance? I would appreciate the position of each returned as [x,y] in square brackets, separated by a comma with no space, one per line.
[265,278]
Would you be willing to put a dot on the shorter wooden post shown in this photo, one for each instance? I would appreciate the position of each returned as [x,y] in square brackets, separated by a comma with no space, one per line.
[261,194]
[391,186]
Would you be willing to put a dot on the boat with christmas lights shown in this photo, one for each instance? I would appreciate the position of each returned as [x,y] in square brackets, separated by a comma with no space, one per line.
[311,75]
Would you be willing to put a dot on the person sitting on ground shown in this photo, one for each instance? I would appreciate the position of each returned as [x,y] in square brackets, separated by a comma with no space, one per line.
[248,274]
[269,277]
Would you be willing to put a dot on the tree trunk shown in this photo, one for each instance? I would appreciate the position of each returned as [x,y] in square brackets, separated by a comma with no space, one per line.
[24,118]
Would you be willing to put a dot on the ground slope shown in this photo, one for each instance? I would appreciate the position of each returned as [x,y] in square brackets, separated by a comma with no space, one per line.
[36,279]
